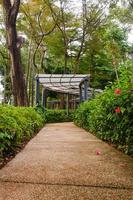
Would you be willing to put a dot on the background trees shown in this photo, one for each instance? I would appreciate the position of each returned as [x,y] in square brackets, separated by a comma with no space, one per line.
[14,43]
[64,37]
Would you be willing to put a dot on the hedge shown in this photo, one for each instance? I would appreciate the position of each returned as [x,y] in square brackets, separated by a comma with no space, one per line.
[17,124]
[54,116]
[110,115]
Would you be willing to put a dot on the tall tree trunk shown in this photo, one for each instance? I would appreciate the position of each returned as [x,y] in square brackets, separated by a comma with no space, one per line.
[65,56]
[84,26]
[17,76]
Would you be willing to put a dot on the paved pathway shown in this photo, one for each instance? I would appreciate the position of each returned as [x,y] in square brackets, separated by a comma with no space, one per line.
[61,163]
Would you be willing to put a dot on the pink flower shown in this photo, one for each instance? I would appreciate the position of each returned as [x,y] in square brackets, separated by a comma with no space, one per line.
[98,152]
[117,91]
[118,110]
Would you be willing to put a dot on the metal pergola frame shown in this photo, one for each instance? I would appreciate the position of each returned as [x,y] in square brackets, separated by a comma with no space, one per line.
[69,84]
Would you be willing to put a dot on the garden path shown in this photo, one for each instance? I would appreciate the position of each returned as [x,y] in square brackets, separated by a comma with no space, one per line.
[64,162]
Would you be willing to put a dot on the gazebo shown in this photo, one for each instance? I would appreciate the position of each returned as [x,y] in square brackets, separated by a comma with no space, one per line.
[69,84]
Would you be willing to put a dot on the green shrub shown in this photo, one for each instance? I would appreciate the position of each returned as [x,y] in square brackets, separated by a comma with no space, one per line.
[5,142]
[52,116]
[16,125]
[110,115]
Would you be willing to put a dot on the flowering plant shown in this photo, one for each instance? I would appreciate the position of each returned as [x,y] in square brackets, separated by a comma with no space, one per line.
[110,114]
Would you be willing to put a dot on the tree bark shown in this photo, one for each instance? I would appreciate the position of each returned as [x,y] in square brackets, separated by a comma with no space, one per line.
[84,27]
[17,75]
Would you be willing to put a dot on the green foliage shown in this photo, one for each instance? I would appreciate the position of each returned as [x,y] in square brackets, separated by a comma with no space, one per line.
[53,116]
[105,44]
[100,117]
[16,125]
[104,53]
[57,116]
[5,142]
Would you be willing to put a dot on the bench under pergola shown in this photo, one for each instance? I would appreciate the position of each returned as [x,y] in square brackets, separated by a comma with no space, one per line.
[69,84]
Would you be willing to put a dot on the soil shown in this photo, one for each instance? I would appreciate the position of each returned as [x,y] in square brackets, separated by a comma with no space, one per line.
[10,154]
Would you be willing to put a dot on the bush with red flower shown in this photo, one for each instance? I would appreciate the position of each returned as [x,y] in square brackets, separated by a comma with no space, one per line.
[110,115]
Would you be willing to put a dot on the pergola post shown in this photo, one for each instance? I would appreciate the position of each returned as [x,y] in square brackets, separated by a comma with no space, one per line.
[44,98]
[80,93]
[74,102]
[37,91]
[86,90]
[67,104]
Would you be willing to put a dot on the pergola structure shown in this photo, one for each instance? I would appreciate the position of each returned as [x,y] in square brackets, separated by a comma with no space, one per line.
[69,84]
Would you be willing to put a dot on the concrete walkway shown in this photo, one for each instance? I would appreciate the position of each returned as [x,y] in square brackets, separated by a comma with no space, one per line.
[64,162]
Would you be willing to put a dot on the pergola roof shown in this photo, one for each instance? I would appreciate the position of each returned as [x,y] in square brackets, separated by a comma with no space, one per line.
[63,83]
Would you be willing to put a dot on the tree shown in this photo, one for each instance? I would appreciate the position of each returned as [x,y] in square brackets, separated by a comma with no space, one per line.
[14,43]
[35,22]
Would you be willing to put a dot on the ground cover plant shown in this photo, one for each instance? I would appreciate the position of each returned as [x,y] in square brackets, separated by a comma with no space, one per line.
[17,125]
[110,115]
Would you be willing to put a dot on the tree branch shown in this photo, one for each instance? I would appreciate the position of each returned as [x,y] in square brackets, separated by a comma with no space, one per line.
[15,10]
[7,5]
[41,29]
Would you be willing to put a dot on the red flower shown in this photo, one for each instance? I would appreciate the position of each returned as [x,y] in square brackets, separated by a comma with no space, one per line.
[117,91]
[118,110]
[98,152]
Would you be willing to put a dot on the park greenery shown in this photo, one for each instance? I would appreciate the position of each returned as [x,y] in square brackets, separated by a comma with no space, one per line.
[54,116]
[64,36]
[109,115]
[90,37]
[17,125]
